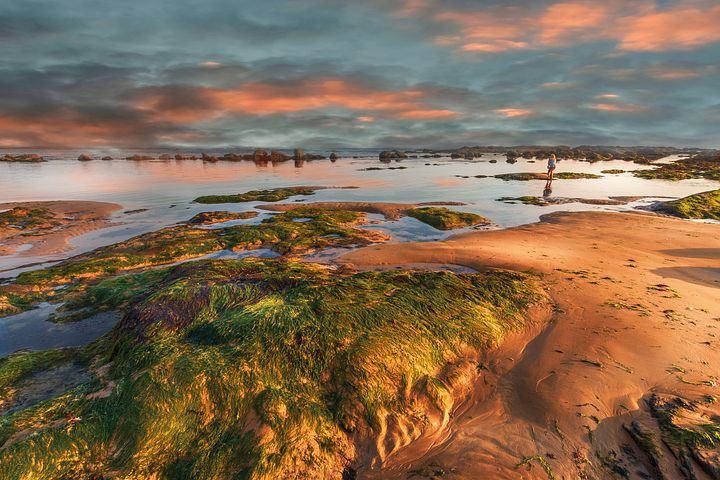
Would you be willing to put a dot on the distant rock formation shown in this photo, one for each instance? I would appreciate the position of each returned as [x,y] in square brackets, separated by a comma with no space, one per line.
[392,154]
[23,158]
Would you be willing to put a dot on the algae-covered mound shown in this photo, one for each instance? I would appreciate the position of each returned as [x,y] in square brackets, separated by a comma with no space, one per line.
[704,205]
[299,231]
[704,165]
[266,369]
[526,176]
[271,195]
[613,171]
[691,430]
[575,176]
[206,218]
[23,218]
[446,219]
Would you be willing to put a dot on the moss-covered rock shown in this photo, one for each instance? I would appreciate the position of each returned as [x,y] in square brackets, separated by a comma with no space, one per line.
[265,369]
[23,218]
[613,171]
[526,176]
[446,219]
[207,218]
[298,231]
[704,165]
[271,195]
[704,205]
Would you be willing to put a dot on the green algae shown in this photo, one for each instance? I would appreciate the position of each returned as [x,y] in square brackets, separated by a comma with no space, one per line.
[262,369]
[575,176]
[295,232]
[270,195]
[446,219]
[526,176]
[207,218]
[28,218]
[705,165]
[612,171]
[527,462]
[705,205]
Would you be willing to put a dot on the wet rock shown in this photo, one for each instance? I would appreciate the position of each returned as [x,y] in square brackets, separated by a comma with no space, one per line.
[334,156]
[84,157]
[165,156]
[299,154]
[139,157]
[107,157]
[23,158]
[208,158]
[391,154]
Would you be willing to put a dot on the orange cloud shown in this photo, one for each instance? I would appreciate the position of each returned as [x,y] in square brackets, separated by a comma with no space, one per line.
[681,28]
[607,96]
[365,118]
[609,107]
[557,85]
[436,114]
[563,21]
[67,127]
[636,25]
[282,98]
[514,112]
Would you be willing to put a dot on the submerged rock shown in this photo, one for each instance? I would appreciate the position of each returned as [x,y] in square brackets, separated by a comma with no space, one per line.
[139,157]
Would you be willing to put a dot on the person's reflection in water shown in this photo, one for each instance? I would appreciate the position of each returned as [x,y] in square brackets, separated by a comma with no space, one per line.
[548,188]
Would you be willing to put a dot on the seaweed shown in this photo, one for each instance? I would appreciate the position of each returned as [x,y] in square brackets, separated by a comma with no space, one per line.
[262,369]
[446,219]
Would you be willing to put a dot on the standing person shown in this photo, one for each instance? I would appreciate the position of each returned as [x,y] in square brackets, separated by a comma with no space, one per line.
[552,163]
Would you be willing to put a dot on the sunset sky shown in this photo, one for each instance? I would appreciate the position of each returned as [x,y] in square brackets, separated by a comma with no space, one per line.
[373,73]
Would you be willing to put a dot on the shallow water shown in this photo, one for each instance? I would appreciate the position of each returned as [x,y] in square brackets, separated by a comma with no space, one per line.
[166,189]
[32,330]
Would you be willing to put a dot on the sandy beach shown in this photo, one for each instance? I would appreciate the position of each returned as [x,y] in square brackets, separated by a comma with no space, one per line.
[635,295]
[65,219]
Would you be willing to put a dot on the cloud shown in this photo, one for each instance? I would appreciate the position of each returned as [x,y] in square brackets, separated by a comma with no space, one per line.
[681,28]
[637,25]
[192,104]
[611,107]
[514,112]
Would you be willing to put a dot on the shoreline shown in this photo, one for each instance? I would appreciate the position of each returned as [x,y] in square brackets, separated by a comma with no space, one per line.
[635,293]
[66,219]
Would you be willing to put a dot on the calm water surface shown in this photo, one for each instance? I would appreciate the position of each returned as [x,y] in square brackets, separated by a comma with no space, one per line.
[166,189]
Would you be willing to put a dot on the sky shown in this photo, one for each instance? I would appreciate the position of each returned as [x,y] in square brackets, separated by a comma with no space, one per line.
[370,73]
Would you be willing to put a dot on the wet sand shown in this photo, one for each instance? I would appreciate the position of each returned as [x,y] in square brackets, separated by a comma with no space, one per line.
[72,218]
[613,339]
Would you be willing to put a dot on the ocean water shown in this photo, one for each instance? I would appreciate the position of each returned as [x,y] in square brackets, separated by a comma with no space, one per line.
[166,189]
